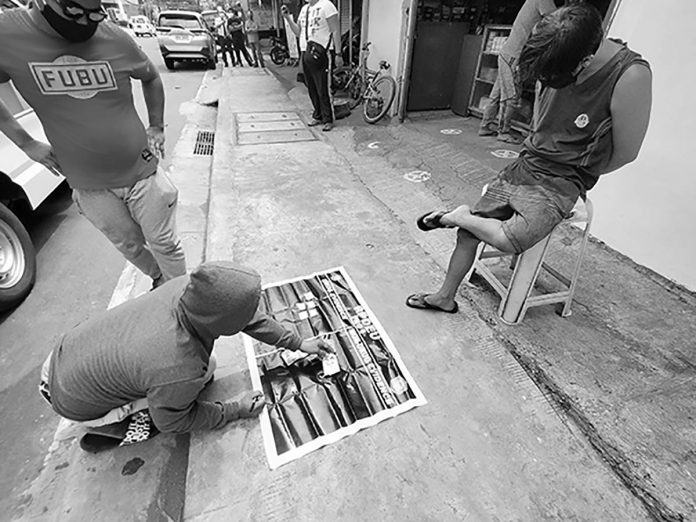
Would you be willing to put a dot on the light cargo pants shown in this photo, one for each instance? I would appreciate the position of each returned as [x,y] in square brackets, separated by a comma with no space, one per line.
[140,221]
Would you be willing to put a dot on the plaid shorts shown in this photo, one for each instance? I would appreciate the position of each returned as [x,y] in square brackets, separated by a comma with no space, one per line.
[529,212]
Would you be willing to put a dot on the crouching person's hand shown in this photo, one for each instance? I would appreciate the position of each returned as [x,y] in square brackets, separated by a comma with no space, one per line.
[244,407]
[317,347]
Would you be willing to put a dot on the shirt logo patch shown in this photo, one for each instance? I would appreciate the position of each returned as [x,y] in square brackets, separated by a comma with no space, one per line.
[73,76]
[582,121]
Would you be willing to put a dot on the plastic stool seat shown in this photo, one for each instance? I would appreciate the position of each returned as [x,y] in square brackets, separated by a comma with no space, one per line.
[516,297]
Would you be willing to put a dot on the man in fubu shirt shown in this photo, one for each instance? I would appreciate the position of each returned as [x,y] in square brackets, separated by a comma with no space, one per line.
[74,69]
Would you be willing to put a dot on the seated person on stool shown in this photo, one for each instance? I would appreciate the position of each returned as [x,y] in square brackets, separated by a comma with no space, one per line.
[592,114]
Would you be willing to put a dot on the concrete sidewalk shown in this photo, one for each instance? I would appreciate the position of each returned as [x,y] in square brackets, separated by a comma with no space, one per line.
[489,445]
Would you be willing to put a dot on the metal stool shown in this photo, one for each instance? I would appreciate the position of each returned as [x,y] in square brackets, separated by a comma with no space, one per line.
[516,298]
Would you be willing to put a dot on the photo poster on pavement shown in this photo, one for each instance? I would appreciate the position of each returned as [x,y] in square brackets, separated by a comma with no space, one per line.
[293,47]
[311,404]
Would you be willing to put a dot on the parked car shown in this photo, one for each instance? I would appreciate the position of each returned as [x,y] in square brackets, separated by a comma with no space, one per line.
[23,186]
[183,36]
[141,26]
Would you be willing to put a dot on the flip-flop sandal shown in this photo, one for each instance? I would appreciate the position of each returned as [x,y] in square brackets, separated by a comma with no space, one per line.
[433,222]
[422,304]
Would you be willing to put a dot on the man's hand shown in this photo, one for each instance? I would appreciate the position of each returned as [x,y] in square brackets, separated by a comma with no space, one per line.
[42,153]
[155,141]
[284,10]
[338,60]
[316,347]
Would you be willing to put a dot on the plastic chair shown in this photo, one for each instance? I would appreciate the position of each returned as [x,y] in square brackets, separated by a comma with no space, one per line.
[517,297]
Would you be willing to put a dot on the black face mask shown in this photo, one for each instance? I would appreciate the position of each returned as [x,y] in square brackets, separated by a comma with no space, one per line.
[68,29]
[559,81]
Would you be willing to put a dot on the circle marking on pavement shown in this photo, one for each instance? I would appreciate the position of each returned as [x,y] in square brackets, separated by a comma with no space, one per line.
[417,176]
[506,154]
[451,132]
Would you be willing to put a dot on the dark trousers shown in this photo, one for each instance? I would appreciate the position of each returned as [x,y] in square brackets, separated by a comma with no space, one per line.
[239,47]
[317,80]
[226,48]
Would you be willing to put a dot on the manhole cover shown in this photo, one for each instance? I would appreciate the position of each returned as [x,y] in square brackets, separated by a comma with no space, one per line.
[205,142]
[417,176]
[255,128]
[506,154]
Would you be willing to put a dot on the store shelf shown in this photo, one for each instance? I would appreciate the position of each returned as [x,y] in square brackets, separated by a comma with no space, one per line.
[493,38]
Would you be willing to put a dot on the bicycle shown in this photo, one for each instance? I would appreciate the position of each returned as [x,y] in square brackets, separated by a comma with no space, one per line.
[279,51]
[375,88]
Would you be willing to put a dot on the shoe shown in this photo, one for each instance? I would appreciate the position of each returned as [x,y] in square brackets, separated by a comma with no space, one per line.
[509,138]
[487,131]
[314,123]
[327,127]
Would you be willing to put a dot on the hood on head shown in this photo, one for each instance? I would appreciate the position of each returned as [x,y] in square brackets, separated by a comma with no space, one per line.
[220,298]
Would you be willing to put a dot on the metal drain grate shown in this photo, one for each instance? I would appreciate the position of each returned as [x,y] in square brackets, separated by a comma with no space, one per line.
[205,142]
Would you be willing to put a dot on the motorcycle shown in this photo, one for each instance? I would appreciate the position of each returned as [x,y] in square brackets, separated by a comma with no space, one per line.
[279,51]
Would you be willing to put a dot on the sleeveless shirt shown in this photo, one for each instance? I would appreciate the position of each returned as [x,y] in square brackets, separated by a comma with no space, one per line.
[572,136]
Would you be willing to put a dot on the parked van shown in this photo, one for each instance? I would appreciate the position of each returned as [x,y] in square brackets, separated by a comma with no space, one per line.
[24,184]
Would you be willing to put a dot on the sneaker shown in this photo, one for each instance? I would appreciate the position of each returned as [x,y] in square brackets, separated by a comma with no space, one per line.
[509,138]
[314,123]
[327,127]
[487,130]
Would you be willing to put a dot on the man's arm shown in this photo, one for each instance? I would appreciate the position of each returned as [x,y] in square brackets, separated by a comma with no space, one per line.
[153,92]
[144,70]
[630,114]
[335,27]
[36,150]
[269,331]
[288,18]
[175,408]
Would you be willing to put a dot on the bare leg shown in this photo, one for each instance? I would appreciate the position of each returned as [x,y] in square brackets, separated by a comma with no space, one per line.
[472,230]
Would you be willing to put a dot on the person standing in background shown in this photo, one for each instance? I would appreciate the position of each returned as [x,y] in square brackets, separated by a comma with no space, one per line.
[222,38]
[318,20]
[235,27]
[252,33]
[505,94]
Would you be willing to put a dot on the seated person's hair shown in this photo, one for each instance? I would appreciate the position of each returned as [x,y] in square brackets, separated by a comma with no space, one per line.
[559,41]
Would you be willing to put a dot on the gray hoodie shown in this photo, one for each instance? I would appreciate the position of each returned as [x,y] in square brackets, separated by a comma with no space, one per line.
[158,346]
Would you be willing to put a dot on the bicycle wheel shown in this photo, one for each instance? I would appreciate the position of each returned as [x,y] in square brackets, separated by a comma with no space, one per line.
[378,99]
[278,56]
[355,90]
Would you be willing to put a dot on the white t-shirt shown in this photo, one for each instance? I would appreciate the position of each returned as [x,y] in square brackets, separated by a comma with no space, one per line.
[314,23]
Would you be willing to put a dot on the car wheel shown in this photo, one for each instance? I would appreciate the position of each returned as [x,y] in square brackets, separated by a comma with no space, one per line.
[17,260]
[169,63]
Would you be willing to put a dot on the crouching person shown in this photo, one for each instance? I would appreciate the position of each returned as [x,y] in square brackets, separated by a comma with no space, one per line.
[139,368]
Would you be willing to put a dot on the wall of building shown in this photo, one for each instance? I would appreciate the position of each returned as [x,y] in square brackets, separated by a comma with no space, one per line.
[386,24]
[647,210]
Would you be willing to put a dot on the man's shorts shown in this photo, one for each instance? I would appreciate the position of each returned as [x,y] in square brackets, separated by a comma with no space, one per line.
[529,212]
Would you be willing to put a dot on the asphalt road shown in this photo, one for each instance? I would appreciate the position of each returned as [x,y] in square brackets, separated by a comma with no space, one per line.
[77,272]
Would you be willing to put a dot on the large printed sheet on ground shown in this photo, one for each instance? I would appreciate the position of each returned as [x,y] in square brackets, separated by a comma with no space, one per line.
[308,409]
